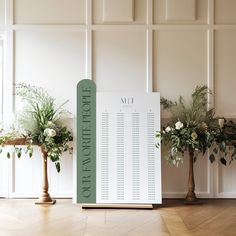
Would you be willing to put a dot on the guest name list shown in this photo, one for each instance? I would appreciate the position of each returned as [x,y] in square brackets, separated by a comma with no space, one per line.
[128,165]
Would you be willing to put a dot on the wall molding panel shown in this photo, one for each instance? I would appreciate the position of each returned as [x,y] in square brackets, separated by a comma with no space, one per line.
[118,11]
[149,35]
[177,10]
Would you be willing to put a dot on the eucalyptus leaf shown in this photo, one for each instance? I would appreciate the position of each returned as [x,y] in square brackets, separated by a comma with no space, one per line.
[58,166]
[222,146]
[194,127]
[223,161]
[215,150]
[212,158]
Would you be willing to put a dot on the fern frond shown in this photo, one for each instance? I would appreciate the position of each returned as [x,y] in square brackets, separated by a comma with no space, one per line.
[189,112]
[167,104]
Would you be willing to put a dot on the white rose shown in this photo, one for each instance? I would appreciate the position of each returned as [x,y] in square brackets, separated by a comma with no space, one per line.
[179,125]
[168,129]
[194,136]
[45,132]
[52,133]
[221,122]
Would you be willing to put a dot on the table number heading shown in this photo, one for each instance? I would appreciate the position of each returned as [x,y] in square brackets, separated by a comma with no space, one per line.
[127,101]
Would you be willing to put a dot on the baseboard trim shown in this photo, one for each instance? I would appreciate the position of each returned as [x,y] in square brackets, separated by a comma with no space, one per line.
[183,195]
[122,206]
[36,195]
[226,195]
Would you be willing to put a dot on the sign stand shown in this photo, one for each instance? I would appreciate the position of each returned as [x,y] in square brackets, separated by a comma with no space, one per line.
[118,165]
[120,206]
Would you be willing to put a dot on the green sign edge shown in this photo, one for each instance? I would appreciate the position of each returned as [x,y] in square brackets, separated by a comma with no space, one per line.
[86,165]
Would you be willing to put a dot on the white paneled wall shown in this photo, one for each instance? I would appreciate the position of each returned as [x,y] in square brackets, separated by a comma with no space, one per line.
[2,12]
[139,11]
[4,174]
[225,12]
[127,58]
[26,175]
[225,71]
[59,12]
[156,45]
[66,49]
[160,8]
[1,69]
[175,59]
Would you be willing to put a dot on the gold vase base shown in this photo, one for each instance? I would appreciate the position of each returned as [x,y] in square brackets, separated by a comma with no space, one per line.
[191,199]
[45,203]
[196,202]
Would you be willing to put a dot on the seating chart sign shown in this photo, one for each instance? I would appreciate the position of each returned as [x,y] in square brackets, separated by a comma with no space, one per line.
[124,166]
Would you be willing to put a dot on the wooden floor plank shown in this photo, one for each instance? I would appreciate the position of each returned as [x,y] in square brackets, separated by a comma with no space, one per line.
[173,218]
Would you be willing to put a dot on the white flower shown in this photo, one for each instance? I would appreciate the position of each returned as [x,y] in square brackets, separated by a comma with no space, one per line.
[52,133]
[168,129]
[179,125]
[194,135]
[50,124]
[45,132]
[221,122]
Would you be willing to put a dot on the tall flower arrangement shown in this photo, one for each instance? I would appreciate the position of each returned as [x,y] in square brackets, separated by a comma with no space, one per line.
[192,129]
[41,123]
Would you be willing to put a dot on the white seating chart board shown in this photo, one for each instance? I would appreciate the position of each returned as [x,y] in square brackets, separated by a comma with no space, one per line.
[128,165]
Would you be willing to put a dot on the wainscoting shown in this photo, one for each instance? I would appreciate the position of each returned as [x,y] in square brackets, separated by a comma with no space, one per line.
[139,45]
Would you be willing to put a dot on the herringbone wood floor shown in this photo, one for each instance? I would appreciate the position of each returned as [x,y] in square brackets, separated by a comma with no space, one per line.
[211,218]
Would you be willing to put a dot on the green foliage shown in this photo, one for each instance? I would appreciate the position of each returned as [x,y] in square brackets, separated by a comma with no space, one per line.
[192,127]
[223,161]
[194,111]
[226,141]
[42,124]
[212,158]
